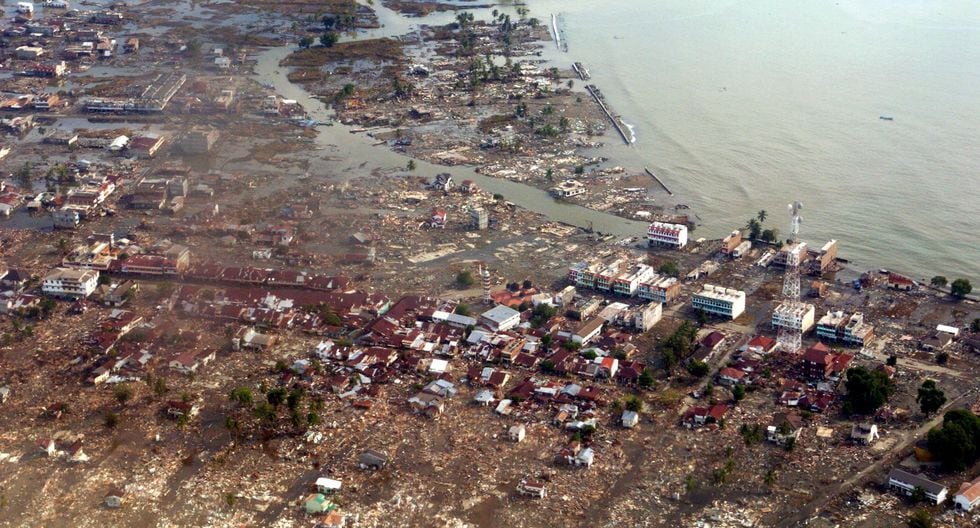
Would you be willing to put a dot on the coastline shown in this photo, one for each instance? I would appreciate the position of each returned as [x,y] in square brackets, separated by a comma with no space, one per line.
[629,226]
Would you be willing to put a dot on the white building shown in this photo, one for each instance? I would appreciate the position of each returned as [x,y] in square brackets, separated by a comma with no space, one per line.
[726,302]
[907,483]
[501,318]
[648,316]
[75,283]
[968,496]
[588,332]
[799,318]
[664,234]
[629,281]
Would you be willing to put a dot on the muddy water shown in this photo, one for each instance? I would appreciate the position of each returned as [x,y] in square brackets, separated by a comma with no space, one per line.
[358,152]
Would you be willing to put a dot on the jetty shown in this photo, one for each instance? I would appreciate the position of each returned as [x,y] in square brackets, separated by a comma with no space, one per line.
[594,92]
[562,45]
[581,71]
[654,176]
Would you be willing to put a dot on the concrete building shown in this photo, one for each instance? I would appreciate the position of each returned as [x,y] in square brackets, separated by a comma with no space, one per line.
[664,234]
[567,189]
[500,318]
[479,219]
[742,249]
[648,316]
[730,242]
[660,289]
[968,496]
[795,251]
[627,282]
[588,332]
[906,483]
[825,258]
[717,300]
[799,317]
[199,140]
[839,327]
[70,283]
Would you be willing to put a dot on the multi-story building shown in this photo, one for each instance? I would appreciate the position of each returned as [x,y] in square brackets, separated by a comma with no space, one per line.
[850,330]
[605,276]
[72,283]
[628,282]
[664,234]
[659,288]
[730,242]
[794,317]
[717,300]
[647,316]
[790,252]
[96,256]
[826,257]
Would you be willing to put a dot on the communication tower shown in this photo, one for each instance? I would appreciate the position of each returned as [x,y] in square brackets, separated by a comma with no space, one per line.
[791,339]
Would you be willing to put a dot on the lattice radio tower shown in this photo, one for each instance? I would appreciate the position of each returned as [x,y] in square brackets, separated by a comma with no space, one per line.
[791,339]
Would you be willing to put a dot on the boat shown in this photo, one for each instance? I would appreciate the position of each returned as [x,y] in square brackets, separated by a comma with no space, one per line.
[886,118]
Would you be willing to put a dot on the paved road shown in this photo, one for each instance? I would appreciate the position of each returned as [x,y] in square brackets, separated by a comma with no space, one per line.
[909,437]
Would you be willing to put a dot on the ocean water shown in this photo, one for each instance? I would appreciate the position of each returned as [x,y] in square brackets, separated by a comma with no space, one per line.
[749,105]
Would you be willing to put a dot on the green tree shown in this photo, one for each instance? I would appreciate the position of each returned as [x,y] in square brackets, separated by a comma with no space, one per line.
[306,42]
[754,228]
[411,165]
[770,477]
[938,281]
[738,393]
[960,288]
[930,398]
[669,268]
[866,390]
[892,360]
[276,396]
[111,420]
[697,368]
[242,396]
[265,411]
[646,378]
[920,519]
[328,39]
[957,442]
[762,215]
[634,404]
[975,325]
[123,393]
[462,309]
[160,386]
[464,279]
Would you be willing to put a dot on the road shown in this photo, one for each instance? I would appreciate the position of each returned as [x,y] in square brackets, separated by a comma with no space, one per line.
[810,509]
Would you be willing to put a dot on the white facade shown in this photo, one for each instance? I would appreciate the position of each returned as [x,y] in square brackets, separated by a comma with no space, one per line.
[501,318]
[664,234]
[968,496]
[648,316]
[717,300]
[64,282]
[800,318]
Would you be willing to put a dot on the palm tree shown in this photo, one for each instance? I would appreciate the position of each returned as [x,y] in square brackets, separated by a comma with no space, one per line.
[762,215]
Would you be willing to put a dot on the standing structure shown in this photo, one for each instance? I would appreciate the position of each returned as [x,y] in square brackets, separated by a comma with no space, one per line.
[485,277]
[790,337]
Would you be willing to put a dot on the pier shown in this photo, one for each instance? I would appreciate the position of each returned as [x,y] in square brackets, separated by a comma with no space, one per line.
[562,45]
[654,176]
[581,71]
[619,128]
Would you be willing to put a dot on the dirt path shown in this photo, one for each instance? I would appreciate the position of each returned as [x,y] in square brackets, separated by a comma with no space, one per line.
[908,437]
